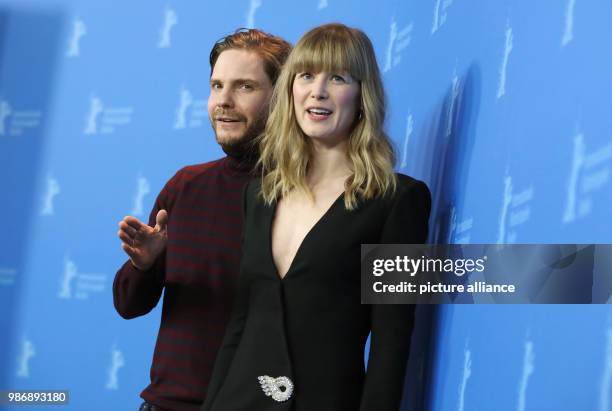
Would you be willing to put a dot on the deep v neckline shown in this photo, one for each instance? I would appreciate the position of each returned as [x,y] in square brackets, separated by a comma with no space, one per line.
[306,237]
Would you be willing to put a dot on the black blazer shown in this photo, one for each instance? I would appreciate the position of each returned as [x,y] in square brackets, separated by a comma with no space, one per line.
[310,326]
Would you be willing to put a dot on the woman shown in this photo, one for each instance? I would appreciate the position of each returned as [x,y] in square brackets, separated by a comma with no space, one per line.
[297,335]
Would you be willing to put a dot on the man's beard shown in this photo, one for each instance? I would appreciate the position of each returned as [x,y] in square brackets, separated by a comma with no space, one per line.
[245,147]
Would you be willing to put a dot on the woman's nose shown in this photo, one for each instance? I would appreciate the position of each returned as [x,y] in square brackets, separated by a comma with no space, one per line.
[319,89]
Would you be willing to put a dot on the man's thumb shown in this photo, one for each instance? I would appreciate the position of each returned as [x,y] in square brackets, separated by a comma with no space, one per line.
[161,220]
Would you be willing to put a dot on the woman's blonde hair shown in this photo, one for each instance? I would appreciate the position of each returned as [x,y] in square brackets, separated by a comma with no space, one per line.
[285,149]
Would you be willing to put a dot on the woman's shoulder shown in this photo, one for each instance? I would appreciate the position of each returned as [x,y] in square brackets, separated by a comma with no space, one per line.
[409,192]
[252,194]
[253,187]
[407,185]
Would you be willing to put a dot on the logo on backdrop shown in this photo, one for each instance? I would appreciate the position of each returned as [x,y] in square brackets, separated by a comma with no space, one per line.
[78,31]
[459,231]
[589,174]
[16,122]
[7,276]
[250,19]
[105,120]
[190,113]
[453,103]
[142,189]
[568,33]
[53,189]
[170,20]
[117,362]
[605,396]
[440,14]
[70,273]
[95,110]
[407,135]
[399,39]
[515,211]
[77,285]
[25,356]
[467,373]
[5,112]
[322,5]
[508,45]
[528,369]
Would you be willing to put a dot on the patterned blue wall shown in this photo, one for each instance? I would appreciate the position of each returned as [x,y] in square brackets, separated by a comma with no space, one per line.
[502,107]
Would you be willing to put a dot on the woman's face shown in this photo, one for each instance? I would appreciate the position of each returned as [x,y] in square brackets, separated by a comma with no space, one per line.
[326,105]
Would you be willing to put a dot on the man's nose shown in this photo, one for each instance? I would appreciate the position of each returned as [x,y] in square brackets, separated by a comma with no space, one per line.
[224,98]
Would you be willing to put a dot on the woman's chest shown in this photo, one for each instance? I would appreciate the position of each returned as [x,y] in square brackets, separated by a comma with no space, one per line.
[292,222]
[318,245]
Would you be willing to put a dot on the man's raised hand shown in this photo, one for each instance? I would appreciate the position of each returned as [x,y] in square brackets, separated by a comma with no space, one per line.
[142,243]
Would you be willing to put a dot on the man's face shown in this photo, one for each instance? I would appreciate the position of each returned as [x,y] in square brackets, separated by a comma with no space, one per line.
[240,91]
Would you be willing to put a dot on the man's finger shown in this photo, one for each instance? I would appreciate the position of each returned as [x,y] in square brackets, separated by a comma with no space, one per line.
[128,250]
[124,237]
[134,222]
[161,220]
[123,226]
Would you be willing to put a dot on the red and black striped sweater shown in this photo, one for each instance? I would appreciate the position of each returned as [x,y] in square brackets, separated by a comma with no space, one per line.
[197,272]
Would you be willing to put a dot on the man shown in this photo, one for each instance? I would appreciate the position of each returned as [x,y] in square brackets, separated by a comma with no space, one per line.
[191,247]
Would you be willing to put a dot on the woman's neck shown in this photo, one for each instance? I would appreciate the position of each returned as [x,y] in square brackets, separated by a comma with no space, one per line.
[328,164]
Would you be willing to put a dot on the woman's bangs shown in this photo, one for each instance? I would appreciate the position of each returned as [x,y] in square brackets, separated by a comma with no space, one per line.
[326,53]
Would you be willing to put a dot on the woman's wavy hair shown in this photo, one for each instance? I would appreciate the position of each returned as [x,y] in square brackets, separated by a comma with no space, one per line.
[286,151]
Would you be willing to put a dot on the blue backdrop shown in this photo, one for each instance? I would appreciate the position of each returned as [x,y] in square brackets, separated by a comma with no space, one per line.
[502,107]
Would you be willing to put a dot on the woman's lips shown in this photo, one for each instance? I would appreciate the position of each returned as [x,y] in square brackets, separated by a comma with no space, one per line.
[318,114]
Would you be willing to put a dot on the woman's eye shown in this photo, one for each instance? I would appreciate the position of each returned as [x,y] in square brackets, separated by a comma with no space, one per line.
[305,76]
[338,78]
